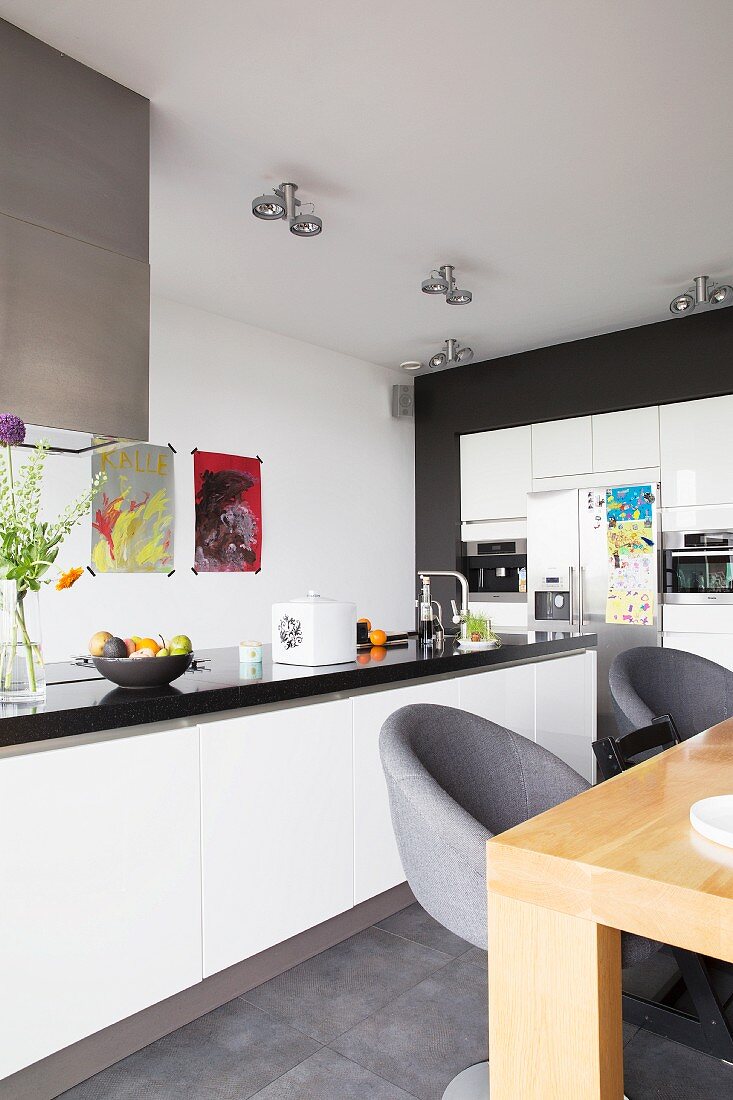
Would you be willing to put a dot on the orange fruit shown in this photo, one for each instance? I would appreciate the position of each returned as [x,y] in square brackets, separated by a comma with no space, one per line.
[363,658]
[379,652]
[148,643]
[377,637]
[368,623]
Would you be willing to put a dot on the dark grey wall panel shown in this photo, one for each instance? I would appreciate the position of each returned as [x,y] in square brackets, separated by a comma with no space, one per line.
[676,360]
[74,323]
[74,147]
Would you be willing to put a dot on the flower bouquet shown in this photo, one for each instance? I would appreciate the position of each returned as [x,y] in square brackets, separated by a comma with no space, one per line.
[28,548]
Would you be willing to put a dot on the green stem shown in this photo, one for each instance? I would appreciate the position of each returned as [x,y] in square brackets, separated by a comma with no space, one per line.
[11,648]
[9,462]
[27,646]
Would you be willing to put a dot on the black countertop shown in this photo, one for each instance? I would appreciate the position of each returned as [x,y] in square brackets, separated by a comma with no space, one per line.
[79,700]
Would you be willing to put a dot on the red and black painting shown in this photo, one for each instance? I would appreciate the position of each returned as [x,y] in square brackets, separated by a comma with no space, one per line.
[228,513]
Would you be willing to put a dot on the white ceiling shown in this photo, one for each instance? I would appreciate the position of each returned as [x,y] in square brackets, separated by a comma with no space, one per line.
[573,158]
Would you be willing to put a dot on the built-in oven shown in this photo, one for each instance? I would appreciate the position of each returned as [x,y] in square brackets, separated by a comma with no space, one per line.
[496,570]
[698,567]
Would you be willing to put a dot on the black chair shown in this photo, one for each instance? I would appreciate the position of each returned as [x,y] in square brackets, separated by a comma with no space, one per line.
[616,754]
[708,1029]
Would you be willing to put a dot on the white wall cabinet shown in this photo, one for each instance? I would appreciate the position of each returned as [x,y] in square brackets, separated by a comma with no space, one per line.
[277,827]
[562,447]
[626,440]
[377,864]
[496,474]
[505,696]
[101,890]
[566,709]
[696,455]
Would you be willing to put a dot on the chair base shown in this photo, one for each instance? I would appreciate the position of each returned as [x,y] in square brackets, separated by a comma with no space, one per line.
[472,1084]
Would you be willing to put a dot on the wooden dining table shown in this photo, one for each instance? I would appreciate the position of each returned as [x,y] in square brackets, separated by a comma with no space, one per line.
[561,886]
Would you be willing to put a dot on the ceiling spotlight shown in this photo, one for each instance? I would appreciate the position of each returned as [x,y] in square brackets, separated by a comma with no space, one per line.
[683,303]
[704,292]
[268,207]
[306,225]
[435,284]
[719,295]
[458,297]
[452,354]
[411,364]
[441,281]
[282,203]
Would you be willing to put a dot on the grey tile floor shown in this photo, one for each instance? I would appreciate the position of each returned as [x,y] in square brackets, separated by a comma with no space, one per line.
[390,1014]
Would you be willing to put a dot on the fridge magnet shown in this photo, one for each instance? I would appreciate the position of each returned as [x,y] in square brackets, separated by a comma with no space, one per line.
[133,511]
[228,533]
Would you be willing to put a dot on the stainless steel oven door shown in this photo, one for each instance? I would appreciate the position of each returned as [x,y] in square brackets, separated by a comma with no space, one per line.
[698,567]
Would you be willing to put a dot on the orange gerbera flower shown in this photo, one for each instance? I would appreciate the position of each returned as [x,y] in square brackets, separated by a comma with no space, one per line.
[67,579]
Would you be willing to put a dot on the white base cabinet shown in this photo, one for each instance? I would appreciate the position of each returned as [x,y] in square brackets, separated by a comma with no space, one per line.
[550,702]
[100,910]
[277,827]
[565,705]
[136,865]
[505,696]
[377,864]
[715,647]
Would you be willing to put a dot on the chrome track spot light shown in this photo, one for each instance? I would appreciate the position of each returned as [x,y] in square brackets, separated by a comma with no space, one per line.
[703,292]
[282,203]
[442,281]
[453,354]
[306,225]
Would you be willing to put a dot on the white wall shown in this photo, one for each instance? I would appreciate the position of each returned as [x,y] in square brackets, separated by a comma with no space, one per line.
[337,488]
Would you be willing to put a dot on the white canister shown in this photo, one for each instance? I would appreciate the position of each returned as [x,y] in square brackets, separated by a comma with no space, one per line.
[312,630]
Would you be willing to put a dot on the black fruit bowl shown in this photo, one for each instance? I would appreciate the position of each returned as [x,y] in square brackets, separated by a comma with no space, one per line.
[143,672]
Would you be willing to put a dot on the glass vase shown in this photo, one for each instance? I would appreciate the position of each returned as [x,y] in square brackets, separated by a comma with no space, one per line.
[22,674]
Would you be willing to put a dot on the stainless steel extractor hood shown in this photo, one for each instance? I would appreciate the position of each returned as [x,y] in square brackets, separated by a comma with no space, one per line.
[74,274]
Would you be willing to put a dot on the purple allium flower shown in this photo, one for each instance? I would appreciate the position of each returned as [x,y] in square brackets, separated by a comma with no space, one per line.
[12,430]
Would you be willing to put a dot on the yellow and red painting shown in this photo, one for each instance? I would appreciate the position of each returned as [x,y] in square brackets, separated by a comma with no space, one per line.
[132,514]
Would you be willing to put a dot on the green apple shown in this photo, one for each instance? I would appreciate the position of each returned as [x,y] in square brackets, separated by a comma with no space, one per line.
[180,644]
[163,652]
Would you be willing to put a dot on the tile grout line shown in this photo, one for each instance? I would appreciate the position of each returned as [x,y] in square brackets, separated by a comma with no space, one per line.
[280,1076]
[408,939]
[284,1019]
[338,1054]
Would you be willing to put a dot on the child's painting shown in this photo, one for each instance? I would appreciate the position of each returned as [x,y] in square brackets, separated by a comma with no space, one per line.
[228,513]
[132,514]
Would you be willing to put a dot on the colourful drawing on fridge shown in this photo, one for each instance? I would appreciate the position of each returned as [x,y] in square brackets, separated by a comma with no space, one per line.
[631,555]
[132,512]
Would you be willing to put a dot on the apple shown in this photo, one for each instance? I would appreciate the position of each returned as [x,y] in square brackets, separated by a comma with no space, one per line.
[98,641]
[180,644]
[131,646]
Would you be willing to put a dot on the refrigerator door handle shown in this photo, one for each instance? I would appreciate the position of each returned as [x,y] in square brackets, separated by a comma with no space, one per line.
[571,588]
[581,596]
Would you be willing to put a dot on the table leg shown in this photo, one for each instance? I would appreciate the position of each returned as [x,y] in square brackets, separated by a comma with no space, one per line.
[554,1005]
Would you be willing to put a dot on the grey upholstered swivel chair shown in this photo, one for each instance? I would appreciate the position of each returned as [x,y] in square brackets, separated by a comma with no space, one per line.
[454,780]
[647,682]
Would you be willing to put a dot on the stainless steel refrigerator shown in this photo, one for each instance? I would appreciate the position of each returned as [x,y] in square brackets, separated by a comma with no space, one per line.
[568,569]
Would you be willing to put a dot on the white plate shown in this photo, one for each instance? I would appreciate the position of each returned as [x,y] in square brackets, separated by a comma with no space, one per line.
[713,818]
[468,646]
